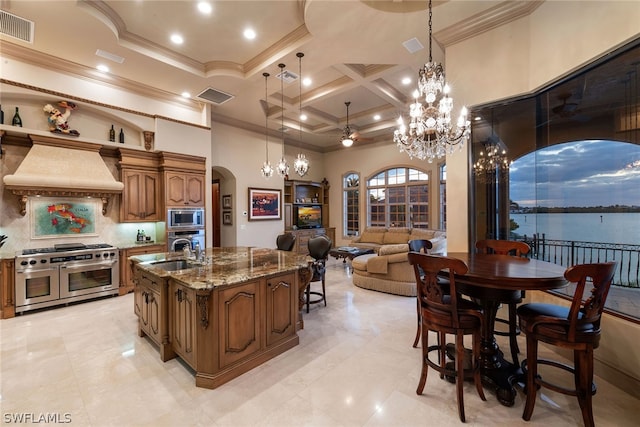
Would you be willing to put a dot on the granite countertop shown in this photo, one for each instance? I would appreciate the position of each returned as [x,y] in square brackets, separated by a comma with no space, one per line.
[224,266]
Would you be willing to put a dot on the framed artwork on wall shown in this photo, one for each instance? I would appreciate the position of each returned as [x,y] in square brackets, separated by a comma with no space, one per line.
[226,201]
[227,219]
[56,217]
[264,204]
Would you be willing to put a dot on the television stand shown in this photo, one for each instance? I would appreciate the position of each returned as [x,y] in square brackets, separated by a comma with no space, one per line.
[303,236]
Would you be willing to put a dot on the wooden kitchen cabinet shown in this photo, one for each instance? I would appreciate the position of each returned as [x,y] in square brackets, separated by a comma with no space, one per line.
[126,270]
[182,301]
[140,196]
[7,289]
[183,179]
[150,305]
[239,314]
[280,307]
[184,189]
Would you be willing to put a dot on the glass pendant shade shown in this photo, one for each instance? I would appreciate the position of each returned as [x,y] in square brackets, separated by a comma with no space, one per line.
[301,165]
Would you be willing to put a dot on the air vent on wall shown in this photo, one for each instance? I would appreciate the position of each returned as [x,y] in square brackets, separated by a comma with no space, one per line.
[287,76]
[16,27]
[215,96]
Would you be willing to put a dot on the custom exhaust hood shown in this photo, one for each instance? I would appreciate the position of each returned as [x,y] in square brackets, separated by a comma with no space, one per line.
[61,168]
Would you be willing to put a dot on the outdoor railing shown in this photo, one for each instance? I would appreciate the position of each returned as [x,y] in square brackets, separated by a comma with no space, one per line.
[568,253]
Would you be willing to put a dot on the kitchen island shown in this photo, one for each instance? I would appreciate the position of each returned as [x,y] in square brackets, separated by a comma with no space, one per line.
[222,316]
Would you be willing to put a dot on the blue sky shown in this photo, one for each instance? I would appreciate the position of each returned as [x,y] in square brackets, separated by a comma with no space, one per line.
[583,173]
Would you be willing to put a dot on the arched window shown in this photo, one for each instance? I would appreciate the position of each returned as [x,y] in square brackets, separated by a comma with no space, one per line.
[398,197]
[351,203]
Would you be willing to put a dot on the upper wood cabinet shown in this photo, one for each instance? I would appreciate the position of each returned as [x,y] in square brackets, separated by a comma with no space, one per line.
[140,201]
[141,196]
[184,179]
[184,189]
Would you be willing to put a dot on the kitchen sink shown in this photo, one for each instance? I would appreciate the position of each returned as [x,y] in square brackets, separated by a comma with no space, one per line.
[179,264]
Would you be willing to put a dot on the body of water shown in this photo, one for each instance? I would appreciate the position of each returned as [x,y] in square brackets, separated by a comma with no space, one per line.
[621,228]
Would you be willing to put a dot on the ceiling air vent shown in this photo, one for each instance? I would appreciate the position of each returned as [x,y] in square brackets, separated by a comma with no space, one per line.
[16,27]
[287,76]
[412,45]
[215,96]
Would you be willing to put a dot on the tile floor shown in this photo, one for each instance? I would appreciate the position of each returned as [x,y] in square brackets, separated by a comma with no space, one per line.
[354,367]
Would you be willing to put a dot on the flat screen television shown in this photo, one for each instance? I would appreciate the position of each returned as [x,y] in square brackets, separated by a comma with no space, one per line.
[307,216]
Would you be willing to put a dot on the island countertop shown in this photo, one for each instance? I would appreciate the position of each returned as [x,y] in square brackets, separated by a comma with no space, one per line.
[224,266]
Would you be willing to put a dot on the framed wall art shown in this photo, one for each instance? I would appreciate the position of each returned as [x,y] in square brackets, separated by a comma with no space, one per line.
[226,201]
[264,204]
[57,217]
[227,219]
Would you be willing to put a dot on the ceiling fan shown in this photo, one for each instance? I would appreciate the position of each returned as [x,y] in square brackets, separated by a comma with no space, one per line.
[349,137]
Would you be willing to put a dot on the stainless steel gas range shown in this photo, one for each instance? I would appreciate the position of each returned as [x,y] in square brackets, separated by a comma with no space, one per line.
[65,273]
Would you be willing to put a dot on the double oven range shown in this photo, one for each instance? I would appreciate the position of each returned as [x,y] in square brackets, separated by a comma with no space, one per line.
[65,273]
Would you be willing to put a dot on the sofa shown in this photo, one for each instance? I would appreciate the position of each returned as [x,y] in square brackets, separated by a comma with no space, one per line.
[388,269]
[376,237]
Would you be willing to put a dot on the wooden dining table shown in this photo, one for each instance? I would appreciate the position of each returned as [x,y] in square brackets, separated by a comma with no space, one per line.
[493,280]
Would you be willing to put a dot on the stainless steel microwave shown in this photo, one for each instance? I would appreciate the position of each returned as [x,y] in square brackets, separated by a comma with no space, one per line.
[185,217]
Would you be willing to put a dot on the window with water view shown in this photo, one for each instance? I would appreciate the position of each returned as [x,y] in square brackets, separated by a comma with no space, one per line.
[570,186]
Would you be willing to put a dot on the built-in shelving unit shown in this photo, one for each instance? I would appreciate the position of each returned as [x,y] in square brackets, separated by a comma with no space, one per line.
[306,193]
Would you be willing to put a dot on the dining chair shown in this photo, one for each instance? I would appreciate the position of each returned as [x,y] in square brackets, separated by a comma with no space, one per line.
[420,246]
[319,247]
[515,248]
[445,313]
[576,328]
[286,241]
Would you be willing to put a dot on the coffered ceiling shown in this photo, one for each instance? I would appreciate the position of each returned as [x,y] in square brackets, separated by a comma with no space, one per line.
[353,51]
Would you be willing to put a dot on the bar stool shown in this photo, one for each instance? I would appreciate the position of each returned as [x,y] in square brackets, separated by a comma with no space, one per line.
[576,328]
[420,246]
[286,241]
[319,248]
[447,314]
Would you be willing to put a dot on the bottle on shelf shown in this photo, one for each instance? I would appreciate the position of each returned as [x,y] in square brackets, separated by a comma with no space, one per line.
[112,134]
[121,136]
[17,121]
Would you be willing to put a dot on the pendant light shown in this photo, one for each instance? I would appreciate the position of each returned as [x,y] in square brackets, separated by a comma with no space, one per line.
[266,169]
[283,167]
[347,141]
[431,132]
[301,164]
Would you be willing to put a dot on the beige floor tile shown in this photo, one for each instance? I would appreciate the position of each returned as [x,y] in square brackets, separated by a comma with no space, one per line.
[354,367]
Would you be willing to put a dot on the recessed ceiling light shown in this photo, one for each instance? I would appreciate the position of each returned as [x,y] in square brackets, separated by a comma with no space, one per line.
[177,39]
[376,117]
[204,7]
[186,95]
[103,68]
[477,118]
[303,117]
[406,80]
[306,81]
[249,34]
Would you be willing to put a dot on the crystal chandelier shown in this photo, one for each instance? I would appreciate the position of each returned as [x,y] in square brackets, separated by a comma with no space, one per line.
[493,164]
[283,166]
[431,133]
[266,170]
[301,164]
